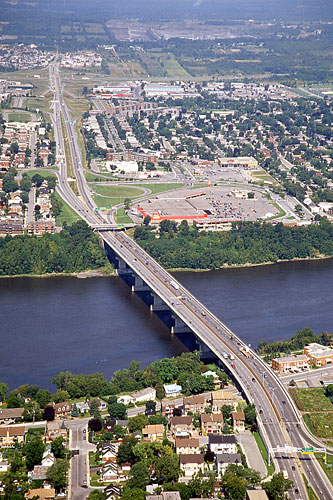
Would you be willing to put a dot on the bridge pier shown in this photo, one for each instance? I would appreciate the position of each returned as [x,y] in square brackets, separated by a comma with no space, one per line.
[205,351]
[158,304]
[180,326]
[122,267]
[139,285]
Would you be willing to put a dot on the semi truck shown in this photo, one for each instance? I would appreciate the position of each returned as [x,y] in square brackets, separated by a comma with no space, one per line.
[174,285]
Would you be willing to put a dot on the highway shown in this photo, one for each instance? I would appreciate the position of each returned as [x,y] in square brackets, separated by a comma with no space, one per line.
[278,418]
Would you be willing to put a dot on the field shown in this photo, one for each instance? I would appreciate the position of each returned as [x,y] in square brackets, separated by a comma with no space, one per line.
[19,117]
[160,188]
[312,399]
[320,424]
[76,106]
[121,217]
[263,452]
[118,192]
[328,468]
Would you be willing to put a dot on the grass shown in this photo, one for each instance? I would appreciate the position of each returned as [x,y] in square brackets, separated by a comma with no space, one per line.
[19,117]
[160,188]
[76,106]
[80,141]
[119,192]
[263,452]
[311,493]
[122,217]
[42,172]
[67,214]
[328,468]
[312,399]
[43,104]
[320,424]
[97,178]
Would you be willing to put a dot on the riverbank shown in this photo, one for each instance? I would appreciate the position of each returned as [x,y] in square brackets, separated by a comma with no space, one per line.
[89,273]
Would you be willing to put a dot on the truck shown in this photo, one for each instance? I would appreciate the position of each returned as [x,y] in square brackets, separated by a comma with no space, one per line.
[174,285]
[245,351]
[285,473]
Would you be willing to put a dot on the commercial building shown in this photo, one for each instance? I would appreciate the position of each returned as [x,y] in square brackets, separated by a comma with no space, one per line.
[318,355]
[240,161]
[287,363]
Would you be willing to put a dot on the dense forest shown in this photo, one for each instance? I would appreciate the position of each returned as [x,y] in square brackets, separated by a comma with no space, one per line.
[180,246]
[76,248]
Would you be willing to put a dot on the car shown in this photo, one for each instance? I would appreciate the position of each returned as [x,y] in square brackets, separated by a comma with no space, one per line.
[233,366]
[296,490]
[260,411]
[203,313]
[84,430]
[293,467]
[84,484]
[283,402]
[253,379]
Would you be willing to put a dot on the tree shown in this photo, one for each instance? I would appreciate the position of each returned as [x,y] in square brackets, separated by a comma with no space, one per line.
[61,396]
[139,476]
[226,411]
[37,179]
[137,423]
[146,220]
[117,411]
[133,494]
[250,413]
[329,390]
[276,488]
[57,474]
[125,451]
[43,397]
[58,448]
[3,391]
[49,413]
[234,486]
[127,203]
[33,451]
[75,411]
[94,408]
[24,197]
[167,468]
[95,424]
[15,400]
[151,406]
[97,495]
[25,184]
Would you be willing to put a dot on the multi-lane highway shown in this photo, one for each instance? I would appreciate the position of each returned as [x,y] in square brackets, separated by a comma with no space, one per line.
[279,419]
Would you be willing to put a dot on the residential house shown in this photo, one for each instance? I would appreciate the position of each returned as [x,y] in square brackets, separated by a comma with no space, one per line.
[181,426]
[212,423]
[195,404]
[109,473]
[9,436]
[165,495]
[48,458]
[4,466]
[256,495]
[54,430]
[224,459]
[238,421]
[109,453]
[148,394]
[169,405]
[38,472]
[190,465]
[112,492]
[41,226]
[83,406]
[125,399]
[222,443]
[217,381]
[62,409]
[187,446]
[221,398]
[172,390]
[41,493]
[10,415]
[153,432]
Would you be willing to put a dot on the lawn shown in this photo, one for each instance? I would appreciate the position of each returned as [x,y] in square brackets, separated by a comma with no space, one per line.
[119,192]
[264,454]
[328,468]
[160,188]
[19,117]
[121,217]
[320,424]
[312,399]
[67,213]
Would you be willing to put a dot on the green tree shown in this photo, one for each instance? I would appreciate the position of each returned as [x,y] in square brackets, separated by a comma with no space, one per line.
[57,474]
[3,391]
[226,411]
[167,468]
[43,397]
[25,184]
[125,451]
[58,448]
[139,476]
[137,423]
[146,220]
[277,487]
[250,413]
[49,413]
[234,486]
[33,451]
[97,495]
[117,411]
[133,494]
[75,410]
[61,396]
[37,179]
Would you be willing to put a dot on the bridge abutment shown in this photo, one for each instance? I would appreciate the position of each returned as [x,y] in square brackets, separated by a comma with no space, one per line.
[158,304]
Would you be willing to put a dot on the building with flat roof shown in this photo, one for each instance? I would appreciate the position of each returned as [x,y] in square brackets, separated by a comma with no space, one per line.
[286,363]
[240,161]
[256,495]
[318,355]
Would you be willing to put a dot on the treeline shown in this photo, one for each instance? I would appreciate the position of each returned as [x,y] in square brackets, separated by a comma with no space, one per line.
[186,369]
[297,341]
[180,246]
[76,248]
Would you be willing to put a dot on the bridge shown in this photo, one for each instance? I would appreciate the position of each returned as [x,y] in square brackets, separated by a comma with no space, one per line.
[280,423]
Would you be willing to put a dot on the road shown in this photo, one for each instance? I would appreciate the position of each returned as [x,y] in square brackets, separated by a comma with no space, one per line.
[313,378]
[278,418]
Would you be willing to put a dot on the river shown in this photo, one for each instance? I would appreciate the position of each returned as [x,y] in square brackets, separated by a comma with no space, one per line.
[97,324]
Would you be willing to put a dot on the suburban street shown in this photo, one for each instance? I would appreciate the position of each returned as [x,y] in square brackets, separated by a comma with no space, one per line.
[279,420]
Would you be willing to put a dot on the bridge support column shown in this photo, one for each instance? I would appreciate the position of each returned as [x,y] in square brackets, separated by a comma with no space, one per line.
[121,266]
[139,285]
[158,304]
[180,326]
[205,351]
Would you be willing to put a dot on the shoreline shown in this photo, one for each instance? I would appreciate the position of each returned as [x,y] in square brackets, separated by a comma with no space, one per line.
[102,273]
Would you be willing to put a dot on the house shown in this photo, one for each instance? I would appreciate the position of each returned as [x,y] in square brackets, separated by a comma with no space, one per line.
[54,430]
[238,421]
[112,491]
[9,415]
[4,466]
[169,405]
[187,446]
[48,458]
[165,495]
[172,390]
[125,399]
[287,363]
[153,432]
[319,355]
[62,409]
[38,472]
[222,443]
[212,423]
[221,398]
[82,406]
[9,436]
[42,493]
[109,453]
[109,473]
[148,394]
[224,459]
[195,404]
[210,373]
[256,495]
[181,426]
[190,465]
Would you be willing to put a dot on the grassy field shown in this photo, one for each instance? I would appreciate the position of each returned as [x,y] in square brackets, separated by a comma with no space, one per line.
[320,424]
[119,192]
[19,117]
[264,454]
[67,213]
[80,141]
[312,399]
[43,104]
[76,106]
[160,188]
[122,217]
[90,177]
